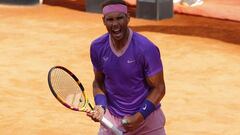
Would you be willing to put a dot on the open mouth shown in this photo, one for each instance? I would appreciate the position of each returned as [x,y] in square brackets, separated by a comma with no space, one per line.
[117,32]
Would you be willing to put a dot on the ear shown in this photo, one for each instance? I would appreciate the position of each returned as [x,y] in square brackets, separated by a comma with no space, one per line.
[128,17]
[103,19]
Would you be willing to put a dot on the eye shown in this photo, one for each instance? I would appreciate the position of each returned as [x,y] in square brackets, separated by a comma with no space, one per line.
[120,18]
[109,19]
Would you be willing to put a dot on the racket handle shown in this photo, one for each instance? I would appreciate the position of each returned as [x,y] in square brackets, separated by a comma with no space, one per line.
[109,124]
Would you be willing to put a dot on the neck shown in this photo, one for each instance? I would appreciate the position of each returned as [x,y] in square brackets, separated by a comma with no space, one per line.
[119,44]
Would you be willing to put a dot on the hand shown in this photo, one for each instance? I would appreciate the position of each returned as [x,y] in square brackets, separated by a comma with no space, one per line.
[97,114]
[131,123]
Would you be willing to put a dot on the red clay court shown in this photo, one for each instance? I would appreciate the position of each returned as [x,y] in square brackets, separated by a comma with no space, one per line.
[201,59]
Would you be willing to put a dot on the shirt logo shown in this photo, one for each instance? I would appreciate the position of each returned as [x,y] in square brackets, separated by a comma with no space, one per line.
[145,107]
[105,58]
[130,61]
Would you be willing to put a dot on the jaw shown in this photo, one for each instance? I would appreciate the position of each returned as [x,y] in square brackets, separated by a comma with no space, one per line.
[118,34]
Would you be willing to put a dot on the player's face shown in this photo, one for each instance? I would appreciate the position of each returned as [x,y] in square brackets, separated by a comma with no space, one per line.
[116,24]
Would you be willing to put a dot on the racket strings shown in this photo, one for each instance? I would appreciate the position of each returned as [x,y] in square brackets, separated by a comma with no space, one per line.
[58,82]
[67,89]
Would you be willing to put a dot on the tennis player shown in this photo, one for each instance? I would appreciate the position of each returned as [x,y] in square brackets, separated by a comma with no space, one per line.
[129,83]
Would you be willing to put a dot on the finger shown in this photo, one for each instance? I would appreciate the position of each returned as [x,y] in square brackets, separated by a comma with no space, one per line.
[127,129]
[89,114]
[98,108]
[87,110]
[97,115]
[98,112]
[128,126]
[124,122]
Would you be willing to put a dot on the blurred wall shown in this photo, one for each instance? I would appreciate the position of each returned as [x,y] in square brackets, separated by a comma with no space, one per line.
[20,2]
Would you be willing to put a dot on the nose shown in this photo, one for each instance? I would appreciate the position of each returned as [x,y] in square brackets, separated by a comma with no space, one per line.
[114,23]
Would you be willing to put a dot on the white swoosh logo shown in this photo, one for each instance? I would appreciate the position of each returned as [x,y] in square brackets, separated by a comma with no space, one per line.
[130,61]
[145,107]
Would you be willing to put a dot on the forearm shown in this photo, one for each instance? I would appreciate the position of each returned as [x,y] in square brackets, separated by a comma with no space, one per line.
[98,88]
[100,102]
[156,94]
[148,106]
[99,94]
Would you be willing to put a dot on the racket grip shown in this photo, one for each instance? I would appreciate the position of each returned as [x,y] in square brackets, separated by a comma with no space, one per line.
[109,124]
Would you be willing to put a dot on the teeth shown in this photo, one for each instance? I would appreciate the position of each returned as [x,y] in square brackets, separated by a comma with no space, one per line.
[116,31]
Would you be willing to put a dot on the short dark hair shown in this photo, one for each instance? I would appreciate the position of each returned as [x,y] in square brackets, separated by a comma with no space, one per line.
[109,2]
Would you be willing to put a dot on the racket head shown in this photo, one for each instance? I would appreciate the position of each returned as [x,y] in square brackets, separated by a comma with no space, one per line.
[67,88]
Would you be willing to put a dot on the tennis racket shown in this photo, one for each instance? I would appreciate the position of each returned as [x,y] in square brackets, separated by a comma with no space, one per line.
[69,91]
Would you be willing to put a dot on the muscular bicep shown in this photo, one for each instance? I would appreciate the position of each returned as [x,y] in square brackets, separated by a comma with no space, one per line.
[157,84]
[156,80]
[98,76]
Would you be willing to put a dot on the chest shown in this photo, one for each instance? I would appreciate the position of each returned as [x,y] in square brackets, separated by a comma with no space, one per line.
[127,66]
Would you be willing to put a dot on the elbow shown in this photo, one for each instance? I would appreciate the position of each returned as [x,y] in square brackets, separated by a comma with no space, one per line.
[163,90]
